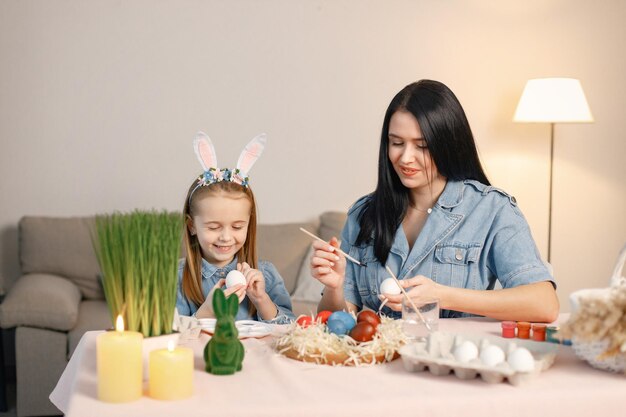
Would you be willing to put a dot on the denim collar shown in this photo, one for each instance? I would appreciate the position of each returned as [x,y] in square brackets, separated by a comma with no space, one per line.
[440,223]
[452,194]
[208,269]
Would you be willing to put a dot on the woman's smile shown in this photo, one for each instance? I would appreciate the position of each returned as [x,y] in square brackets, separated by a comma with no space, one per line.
[409,172]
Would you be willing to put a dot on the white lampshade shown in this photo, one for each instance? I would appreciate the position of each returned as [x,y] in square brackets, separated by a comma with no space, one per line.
[553,100]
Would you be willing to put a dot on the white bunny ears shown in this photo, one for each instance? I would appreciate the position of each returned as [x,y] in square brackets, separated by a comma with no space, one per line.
[205,151]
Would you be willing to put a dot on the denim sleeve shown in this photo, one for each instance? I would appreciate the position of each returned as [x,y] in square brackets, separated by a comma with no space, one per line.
[275,288]
[348,237]
[514,257]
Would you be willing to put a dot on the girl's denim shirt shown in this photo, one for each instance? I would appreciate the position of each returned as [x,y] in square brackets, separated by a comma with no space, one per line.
[474,236]
[274,286]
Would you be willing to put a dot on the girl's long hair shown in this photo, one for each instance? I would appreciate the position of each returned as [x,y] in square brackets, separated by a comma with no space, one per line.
[192,271]
[450,144]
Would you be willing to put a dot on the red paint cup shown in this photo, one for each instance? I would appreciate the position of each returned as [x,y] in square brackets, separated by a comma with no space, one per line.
[508,329]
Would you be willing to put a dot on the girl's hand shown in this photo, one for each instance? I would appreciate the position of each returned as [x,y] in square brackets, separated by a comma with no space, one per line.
[238,289]
[255,282]
[266,309]
[419,288]
[206,309]
[327,265]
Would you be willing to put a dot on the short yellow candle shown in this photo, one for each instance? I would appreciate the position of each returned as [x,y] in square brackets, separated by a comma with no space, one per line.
[120,364]
[171,373]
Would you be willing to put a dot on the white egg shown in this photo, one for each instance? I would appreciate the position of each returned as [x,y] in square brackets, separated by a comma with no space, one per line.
[235,277]
[492,355]
[510,348]
[521,360]
[465,352]
[389,286]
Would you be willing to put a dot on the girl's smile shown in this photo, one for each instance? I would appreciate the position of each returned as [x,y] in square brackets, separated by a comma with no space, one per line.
[223,249]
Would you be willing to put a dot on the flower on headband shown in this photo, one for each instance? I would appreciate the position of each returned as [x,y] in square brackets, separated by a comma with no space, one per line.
[239,179]
[214,175]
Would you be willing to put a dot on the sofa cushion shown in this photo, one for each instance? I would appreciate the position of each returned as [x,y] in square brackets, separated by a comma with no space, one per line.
[92,315]
[308,289]
[285,246]
[306,308]
[61,246]
[41,300]
[331,224]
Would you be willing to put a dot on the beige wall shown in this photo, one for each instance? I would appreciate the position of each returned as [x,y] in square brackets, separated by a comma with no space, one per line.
[99,102]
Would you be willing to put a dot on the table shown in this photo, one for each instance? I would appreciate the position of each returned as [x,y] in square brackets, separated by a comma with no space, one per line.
[272,385]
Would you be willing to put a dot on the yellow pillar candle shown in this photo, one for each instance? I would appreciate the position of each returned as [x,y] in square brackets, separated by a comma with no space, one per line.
[120,364]
[171,373]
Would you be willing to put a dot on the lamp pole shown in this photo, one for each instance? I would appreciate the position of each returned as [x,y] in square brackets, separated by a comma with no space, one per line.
[552,100]
[550,198]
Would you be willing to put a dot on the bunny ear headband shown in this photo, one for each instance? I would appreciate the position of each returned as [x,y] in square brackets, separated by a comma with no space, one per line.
[206,155]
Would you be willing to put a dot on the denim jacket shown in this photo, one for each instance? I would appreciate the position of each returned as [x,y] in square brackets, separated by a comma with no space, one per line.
[274,286]
[474,236]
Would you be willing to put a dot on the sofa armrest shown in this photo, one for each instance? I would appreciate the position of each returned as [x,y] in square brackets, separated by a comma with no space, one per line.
[41,300]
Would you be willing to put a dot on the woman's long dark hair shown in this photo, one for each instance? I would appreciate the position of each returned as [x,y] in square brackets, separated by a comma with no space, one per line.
[451,146]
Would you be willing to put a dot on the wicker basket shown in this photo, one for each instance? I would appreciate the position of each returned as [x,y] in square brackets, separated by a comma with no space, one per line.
[594,351]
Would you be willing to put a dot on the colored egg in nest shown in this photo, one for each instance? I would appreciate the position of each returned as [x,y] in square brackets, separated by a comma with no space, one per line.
[369,317]
[363,332]
[340,322]
[304,321]
[322,316]
[337,327]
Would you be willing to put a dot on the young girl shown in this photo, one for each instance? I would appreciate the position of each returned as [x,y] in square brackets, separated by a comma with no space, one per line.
[437,223]
[220,235]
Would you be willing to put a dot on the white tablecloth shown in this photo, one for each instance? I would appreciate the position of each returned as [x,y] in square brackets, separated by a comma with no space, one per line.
[272,385]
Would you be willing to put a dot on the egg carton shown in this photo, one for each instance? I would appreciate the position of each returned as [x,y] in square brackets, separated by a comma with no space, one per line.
[436,355]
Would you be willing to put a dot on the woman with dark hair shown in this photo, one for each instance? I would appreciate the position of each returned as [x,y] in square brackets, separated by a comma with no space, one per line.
[437,223]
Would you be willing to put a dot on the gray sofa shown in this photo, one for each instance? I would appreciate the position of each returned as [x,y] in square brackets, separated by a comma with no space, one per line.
[58,297]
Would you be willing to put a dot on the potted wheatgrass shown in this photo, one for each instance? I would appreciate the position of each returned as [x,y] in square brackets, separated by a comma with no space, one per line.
[138,254]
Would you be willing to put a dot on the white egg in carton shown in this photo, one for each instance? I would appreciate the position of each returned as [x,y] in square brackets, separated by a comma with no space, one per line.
[493,358]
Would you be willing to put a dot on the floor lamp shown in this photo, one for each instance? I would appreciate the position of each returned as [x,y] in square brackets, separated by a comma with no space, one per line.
[552,100]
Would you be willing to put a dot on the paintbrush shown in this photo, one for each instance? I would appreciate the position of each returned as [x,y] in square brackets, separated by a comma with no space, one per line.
[336,249]
[419,314]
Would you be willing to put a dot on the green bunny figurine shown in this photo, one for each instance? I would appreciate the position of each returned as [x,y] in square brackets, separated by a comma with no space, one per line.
[223,354]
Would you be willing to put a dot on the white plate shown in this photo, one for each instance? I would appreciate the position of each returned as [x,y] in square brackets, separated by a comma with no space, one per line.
[246,328]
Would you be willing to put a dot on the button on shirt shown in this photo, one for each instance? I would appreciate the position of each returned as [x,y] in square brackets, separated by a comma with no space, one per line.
[274,286]
[474,236]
